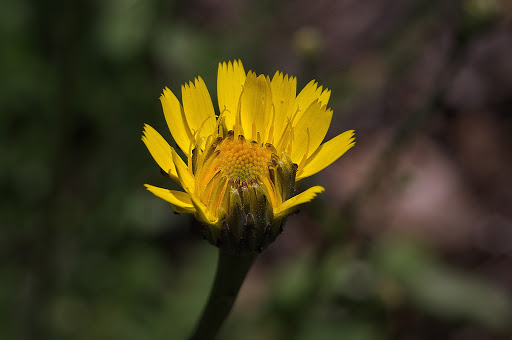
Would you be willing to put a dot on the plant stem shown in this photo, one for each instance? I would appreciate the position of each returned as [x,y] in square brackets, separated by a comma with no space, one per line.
[231,272]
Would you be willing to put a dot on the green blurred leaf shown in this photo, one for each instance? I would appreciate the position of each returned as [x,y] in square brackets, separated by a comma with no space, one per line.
[442,290]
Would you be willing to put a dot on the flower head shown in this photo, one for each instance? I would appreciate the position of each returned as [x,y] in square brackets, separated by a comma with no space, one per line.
[242,166]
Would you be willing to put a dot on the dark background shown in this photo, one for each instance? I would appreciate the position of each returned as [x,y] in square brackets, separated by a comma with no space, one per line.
[411,240]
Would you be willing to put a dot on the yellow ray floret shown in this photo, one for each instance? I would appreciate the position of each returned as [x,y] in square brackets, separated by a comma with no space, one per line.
[160,150]
[179,199]
[291,205]
[326,154]
[230,81]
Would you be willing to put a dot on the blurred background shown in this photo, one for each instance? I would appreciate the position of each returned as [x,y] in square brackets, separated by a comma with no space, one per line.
[411,240]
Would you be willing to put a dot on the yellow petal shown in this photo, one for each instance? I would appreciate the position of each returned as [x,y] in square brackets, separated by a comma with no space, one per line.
[256,106]
[179,200]
[176,121]
[160,150]
[290,205]
[310,130]
[309,93]
[284,90]
[326,154]
[185,178]
[230,81]
[198,109]
[187,182]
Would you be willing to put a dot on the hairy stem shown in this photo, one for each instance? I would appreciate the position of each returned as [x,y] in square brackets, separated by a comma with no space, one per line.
[231,272]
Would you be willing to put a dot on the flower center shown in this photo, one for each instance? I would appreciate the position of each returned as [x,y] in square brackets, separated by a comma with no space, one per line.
[242,160]
[241,182]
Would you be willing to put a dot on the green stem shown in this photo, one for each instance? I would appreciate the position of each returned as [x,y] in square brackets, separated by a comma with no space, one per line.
[231,272]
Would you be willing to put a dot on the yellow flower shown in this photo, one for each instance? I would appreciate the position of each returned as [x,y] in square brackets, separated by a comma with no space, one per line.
[242,167]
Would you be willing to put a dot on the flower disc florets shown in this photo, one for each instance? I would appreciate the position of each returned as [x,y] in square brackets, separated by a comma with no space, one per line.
[243,161]
[241,181]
